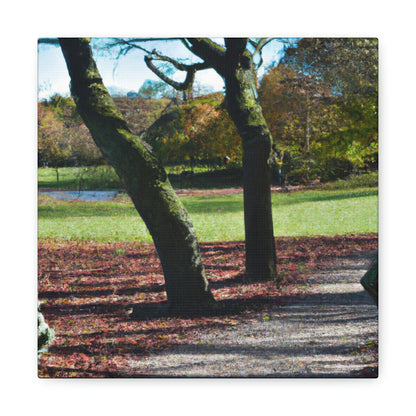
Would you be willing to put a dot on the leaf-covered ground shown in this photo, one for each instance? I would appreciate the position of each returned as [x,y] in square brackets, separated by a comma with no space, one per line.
[87,290]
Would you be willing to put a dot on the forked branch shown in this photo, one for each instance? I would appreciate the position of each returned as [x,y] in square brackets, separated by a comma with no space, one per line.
[189,69]
[258,47]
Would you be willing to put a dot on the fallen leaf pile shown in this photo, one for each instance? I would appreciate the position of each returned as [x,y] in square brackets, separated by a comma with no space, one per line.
[87,289]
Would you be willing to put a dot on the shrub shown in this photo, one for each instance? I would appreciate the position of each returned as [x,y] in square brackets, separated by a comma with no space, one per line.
[367,180]
[335,168]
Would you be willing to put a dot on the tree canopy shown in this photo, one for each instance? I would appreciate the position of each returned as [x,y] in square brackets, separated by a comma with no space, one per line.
[321,103]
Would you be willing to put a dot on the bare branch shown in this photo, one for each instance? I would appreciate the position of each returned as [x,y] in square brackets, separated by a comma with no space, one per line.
[180,86]
[48,41]
[186,44]
[209,51]
[126,46]
[178,65]
[261,44]
[149,39]
[258,48]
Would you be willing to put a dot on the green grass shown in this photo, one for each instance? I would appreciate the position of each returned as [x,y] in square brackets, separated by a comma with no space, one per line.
[219,218]
[95,177]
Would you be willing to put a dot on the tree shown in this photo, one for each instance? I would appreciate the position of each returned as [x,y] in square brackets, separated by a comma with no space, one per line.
[347,70]
[53,145]
[234,63]
[155,89]
[196,132]
[145,179]
[63,138]
[321,102]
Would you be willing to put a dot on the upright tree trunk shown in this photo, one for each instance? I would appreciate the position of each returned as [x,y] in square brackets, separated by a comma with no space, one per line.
[146,182]
[246,112]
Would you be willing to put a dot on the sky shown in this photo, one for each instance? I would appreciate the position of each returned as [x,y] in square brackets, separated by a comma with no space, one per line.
[128,72]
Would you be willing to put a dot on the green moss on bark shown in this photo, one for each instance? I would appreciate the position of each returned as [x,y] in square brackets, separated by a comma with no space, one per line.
[246,112]
[145,179]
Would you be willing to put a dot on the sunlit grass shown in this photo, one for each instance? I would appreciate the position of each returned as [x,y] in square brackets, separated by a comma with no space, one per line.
[218,218]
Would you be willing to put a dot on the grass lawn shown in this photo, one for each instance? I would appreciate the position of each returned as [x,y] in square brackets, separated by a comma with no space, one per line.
[215,218]
[95,177]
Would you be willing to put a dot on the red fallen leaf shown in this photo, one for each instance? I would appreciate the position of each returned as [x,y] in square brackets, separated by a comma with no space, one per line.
[88,312]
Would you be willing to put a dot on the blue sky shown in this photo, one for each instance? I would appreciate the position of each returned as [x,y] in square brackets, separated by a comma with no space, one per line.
[128,72]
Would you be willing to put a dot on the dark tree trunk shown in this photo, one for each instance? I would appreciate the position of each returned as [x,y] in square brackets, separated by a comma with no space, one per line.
[146,182]
[246,112]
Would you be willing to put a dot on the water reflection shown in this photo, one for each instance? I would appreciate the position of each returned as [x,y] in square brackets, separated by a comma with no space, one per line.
[81,195]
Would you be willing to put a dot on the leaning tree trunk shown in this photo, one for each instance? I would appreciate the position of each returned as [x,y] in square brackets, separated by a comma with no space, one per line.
[146,182]
[246,112]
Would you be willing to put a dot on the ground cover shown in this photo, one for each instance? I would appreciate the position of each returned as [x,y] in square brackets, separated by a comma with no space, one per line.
[217,217]
[93,267]
[87,290]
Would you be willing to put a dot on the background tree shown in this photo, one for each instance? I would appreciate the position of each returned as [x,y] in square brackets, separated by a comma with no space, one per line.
[146,182]
[156,89]
[194,133]
[330,91]
[63,138]
[53,144]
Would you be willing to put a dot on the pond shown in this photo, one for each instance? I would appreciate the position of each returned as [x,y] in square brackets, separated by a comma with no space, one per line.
[81,195]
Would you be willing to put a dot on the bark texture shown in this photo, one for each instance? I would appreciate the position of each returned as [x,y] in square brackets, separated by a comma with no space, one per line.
[234,63]
[246,112]
[146,181]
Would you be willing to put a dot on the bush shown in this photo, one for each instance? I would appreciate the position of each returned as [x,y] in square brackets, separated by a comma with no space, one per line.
[367,180]
[336,168]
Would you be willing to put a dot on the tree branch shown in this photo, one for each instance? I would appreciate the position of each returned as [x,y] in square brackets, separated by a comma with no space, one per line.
[125,46]
[258,48]
[186,44]
[260,44]
[48,41]
[154,55]
[128,44]
[189,69]
[210,52]
[235,46]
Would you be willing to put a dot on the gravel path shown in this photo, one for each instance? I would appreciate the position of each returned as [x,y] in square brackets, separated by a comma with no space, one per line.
[327,334]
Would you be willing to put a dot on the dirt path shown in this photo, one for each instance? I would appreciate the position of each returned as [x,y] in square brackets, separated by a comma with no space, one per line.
[332,332]
[232,191]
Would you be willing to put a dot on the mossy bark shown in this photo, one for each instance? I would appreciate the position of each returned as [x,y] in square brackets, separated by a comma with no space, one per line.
[146,182]
[246,112]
